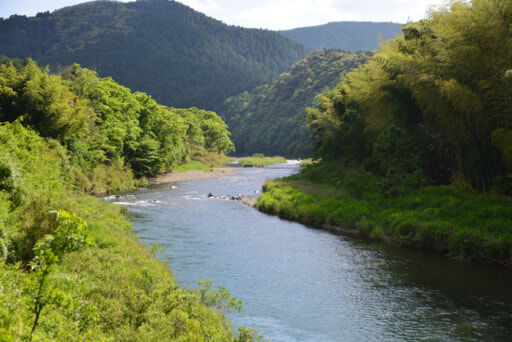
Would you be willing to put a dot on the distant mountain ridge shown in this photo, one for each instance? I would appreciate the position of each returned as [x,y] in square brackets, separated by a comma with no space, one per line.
[181,57]
[344,35]
[271,118]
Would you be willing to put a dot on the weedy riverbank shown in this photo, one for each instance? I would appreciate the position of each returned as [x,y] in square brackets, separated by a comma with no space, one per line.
[460,223]
[259,160]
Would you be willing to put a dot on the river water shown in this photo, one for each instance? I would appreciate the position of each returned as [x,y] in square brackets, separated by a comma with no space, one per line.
[302,284]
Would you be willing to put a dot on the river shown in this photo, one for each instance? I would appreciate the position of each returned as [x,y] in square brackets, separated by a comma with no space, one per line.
[303,284]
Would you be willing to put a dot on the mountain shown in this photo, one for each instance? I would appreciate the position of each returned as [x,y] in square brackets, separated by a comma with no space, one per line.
[271,118]
[181,57]
[344,35]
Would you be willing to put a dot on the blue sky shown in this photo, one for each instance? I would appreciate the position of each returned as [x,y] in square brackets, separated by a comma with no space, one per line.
[271,14]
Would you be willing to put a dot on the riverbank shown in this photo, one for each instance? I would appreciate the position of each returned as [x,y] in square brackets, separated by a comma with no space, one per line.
[85,275]
[220,239]
[461,224]
[171,177]
[259,160]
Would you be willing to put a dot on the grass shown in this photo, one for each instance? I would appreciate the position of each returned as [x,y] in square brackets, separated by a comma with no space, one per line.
[228,160]
[259,160]
[445,219]
[193,165]
[119,292]
[210,158]
[112,290]
[307,161]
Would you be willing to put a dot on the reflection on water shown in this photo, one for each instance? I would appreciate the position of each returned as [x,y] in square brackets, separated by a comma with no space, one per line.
[301,284]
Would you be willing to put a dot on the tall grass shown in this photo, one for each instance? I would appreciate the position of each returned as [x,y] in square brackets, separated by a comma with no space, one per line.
[259,160]
[112,290]
[445,219]
[210,158]
[193,165]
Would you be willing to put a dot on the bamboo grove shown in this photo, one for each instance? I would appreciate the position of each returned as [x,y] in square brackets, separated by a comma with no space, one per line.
[433,106]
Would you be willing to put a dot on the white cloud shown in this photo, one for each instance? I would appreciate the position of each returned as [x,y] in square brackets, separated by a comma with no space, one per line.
[285,14]
[204,6]
[271,14]
[288,13]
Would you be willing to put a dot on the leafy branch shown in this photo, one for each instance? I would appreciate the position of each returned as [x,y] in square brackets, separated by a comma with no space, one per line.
[71,234]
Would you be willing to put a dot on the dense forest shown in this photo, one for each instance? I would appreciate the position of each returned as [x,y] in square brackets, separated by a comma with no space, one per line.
[433,106]
[109,133]
[70,265]
[271,118]
[179,56]
[417,143]
[344,35]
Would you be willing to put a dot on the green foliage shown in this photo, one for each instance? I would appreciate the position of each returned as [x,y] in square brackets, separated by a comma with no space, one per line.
[337,132]
[109,133]
[182,58]
[211,159]
[259,160]
[218,299]
[356,36]
[271,118]
[53,289]
[165,133]
[9,186]
[248,335]
[97,135]
[32,188]
[70,235]
[444,219]
[42,99]
[193,165]
[430,105]
[206,130]
[502,138]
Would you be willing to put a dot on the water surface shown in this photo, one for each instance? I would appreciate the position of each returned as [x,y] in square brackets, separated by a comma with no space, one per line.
[302,284]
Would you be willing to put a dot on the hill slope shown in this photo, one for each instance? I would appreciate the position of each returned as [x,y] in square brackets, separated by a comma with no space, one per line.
[181,57]
[271,119]
[344,35]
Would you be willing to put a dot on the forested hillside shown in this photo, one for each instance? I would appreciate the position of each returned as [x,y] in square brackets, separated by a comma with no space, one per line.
[179,56]
[271,119]
[415,147]
[345,35]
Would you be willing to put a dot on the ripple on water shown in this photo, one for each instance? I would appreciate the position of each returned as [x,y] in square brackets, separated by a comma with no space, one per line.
[301,284]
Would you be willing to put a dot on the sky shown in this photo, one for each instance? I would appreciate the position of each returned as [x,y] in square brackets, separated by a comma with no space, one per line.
[270,14]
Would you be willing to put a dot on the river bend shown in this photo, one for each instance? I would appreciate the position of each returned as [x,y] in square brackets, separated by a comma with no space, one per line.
[302,284]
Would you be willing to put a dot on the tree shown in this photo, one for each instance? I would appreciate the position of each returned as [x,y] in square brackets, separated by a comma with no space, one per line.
[444,86]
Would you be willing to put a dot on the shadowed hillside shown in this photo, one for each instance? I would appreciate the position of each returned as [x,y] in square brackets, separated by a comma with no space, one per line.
[271,119]
[181,57]
[345,35]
